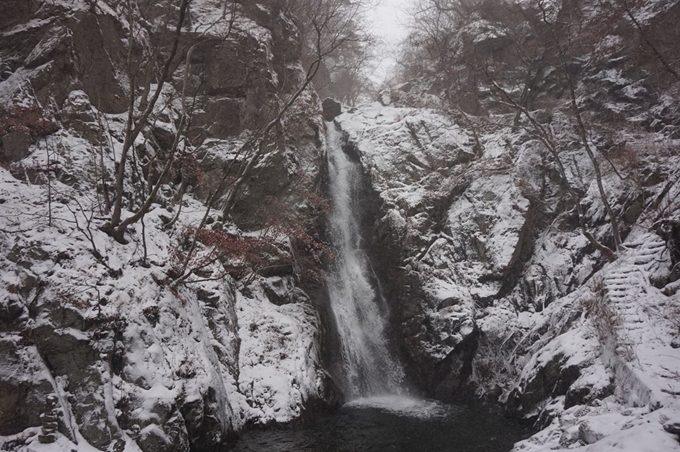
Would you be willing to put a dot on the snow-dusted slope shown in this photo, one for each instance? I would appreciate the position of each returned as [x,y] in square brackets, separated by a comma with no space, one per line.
[636,354]
[99,350]
[130,358]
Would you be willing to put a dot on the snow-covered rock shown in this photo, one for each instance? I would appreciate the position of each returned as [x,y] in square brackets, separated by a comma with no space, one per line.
[496,290]
[98,349]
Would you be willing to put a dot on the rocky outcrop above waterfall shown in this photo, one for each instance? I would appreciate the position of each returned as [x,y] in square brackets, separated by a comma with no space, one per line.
[98,349]
[331,109]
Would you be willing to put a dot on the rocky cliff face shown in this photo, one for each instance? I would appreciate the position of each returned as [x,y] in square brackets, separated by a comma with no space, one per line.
[98,349]
[496,293]
[495,290]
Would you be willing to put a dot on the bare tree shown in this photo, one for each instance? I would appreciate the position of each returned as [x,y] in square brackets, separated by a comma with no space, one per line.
[330,28]
[331,24]
[499,54]
[136,123]
[545,135]
[140,118]
[582,129]
[627,7]
[344,73]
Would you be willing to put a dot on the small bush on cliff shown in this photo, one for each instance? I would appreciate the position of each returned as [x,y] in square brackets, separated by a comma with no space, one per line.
[290,243]
[29,120]
[236,253]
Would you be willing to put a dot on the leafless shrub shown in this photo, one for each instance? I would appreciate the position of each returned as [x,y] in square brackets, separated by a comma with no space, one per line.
[30,120]
[605,320]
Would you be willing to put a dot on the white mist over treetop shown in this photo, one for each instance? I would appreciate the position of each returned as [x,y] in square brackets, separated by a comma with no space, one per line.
[389,21]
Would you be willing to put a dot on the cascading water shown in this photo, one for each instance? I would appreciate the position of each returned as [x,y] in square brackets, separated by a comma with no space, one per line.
[360,311]
[380,414]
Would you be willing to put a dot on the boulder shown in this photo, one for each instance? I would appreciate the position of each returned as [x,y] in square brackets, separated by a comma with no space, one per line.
[15,146]
[385,98]
[331,109]
[24,387]
[591,433]
[672,426]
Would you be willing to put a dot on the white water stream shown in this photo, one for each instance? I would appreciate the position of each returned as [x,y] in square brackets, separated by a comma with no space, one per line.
[370,369]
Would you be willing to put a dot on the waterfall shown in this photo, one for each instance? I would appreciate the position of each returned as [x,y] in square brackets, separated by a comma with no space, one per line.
[359,309]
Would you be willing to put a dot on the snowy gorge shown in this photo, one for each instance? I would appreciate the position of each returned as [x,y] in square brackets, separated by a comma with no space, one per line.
[493,293]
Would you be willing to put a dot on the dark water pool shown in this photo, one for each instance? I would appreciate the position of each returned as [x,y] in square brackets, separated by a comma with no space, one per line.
[392,424]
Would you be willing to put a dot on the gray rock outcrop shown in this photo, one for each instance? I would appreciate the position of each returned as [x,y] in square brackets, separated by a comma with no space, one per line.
[96,345]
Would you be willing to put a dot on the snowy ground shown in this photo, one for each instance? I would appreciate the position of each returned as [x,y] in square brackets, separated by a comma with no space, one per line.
[636,356]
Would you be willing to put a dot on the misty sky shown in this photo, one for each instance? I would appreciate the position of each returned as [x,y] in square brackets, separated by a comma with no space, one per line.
[388,19]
